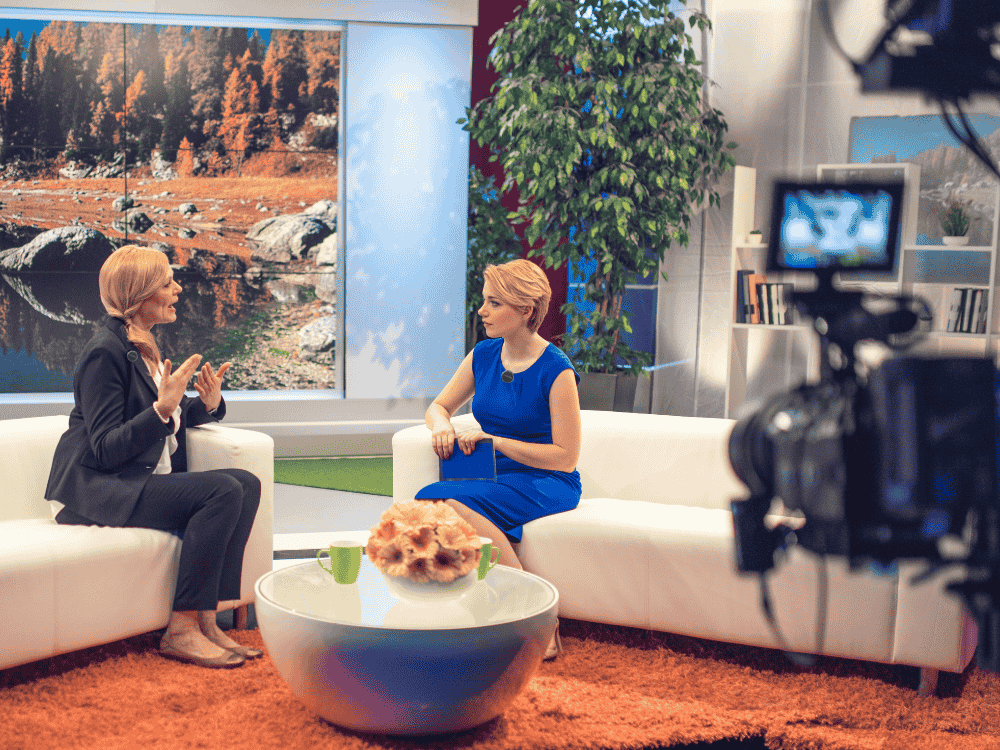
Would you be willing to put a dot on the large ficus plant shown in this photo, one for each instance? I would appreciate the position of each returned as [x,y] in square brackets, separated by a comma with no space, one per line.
[600,121]
[491,242]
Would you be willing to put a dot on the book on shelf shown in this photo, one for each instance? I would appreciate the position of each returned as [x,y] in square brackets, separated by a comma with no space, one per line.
[754,281]
[783,307]
[743,310]
[968,310]
[766,309]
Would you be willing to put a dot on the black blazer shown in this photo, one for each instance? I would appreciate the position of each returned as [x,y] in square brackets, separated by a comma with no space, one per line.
[115,437]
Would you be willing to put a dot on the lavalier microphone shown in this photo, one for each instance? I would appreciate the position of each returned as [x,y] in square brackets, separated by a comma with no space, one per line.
[507,376]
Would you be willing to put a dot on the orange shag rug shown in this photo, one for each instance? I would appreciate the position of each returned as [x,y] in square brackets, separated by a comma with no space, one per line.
[613,687]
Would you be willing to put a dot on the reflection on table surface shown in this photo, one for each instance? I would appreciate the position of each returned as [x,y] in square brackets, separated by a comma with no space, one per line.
[505,595]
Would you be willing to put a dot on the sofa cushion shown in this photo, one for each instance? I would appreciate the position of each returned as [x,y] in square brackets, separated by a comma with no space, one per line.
[68,587]
[672,568]
[28,447]
[671,460]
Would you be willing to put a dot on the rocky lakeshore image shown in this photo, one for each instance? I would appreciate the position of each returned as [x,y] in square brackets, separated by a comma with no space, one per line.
[259,279]
[215,146]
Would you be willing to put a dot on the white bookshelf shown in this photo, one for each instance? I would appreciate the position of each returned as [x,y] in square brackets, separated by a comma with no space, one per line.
[765,359]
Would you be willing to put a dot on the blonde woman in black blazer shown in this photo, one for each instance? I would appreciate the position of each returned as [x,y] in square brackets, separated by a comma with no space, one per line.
[122,462]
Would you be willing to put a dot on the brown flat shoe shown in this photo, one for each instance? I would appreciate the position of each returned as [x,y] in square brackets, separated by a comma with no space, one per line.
[227,660]
[246,652]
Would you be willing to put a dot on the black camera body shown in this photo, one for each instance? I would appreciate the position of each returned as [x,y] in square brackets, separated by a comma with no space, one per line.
[881,470]
[899,462]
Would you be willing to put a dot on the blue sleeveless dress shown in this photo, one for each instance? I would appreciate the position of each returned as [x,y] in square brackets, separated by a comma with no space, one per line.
[520,411]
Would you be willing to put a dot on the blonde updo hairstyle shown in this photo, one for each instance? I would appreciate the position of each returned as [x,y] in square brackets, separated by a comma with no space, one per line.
[129,277]
[521,283]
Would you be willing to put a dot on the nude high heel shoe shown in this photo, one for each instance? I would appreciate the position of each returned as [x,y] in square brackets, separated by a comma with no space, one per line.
[555,647]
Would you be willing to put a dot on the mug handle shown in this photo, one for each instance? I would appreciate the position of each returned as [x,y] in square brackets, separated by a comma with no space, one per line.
[493,562]
[319,560]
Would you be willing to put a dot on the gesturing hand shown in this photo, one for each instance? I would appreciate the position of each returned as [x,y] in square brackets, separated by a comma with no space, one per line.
[209,385]
[173,384]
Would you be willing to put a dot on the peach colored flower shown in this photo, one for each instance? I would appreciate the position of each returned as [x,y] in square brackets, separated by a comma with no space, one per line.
[421,539]
[457,534]
[412,513]
[446,565]
[392,559]
[418,569]
[385,529]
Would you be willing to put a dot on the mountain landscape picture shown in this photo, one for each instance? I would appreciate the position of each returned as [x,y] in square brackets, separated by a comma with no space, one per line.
[948,171]
[217,146]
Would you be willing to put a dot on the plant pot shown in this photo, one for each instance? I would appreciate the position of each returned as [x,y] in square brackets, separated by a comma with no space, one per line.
[601,391]
[431,593]
[956,241]
[753,239]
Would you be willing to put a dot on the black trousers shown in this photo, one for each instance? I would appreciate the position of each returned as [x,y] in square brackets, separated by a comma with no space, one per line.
[215,511]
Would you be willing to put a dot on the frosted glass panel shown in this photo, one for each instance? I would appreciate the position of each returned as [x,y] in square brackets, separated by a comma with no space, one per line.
[406,205]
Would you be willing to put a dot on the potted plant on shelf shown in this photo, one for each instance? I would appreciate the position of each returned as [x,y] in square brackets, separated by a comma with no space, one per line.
[600,121]
[754,237]
[955,221]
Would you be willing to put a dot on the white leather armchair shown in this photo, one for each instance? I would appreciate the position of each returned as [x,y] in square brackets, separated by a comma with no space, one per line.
[64,588]
[651,545]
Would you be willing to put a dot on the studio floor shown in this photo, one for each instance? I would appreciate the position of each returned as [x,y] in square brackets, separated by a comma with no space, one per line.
[304,518]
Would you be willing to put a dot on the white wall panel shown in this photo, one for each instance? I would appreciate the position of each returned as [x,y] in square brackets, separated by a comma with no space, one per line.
[448,12]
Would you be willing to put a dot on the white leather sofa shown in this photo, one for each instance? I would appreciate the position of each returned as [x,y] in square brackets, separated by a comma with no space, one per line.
[64,588]
[651,545]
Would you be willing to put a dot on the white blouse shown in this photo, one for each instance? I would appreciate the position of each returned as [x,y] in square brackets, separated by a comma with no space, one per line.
[163,466]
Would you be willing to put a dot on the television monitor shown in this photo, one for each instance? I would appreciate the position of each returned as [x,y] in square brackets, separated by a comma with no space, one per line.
[831,227]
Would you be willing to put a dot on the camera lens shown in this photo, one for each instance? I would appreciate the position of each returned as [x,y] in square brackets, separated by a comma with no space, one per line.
[751,453]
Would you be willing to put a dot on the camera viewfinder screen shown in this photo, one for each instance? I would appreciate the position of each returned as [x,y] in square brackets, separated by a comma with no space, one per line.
[839,227]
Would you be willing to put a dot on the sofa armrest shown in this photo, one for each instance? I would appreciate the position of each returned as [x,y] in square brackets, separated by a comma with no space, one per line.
[414,464]
[214,446]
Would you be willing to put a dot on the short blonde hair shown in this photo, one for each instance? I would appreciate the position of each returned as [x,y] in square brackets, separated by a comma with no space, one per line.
[130,276]
[523,284]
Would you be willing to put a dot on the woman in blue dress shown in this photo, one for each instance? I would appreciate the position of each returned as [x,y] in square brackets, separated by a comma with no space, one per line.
[524,397]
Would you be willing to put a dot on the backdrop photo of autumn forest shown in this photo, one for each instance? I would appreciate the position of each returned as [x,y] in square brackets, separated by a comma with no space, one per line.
[217,146]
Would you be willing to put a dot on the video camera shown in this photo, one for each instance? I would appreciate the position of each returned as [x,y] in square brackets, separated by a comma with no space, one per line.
[883,464]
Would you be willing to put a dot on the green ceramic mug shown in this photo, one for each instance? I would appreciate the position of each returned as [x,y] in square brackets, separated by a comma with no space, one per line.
[486,561]
[345,561]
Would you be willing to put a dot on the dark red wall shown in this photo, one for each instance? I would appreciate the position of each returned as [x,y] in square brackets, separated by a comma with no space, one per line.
[493,14]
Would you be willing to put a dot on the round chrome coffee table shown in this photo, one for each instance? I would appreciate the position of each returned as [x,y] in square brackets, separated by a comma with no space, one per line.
[363,658]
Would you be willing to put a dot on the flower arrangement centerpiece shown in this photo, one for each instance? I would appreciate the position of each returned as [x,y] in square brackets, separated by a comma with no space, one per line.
[424,541]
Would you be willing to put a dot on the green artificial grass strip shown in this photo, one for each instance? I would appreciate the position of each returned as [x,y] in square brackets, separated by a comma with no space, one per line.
[371,475]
